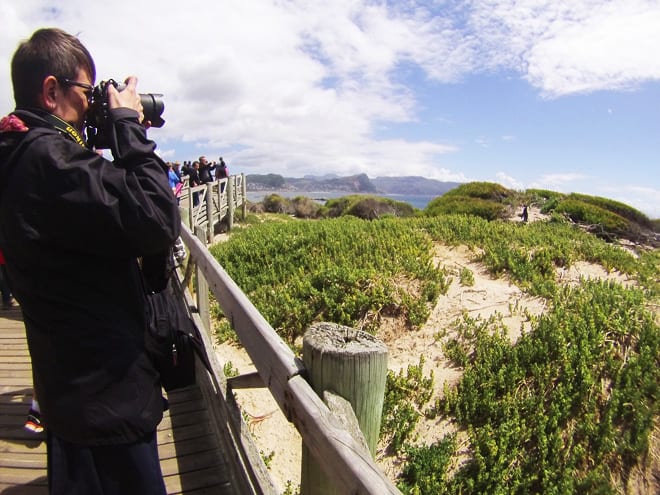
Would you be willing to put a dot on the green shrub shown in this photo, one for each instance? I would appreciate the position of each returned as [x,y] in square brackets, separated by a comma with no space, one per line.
[427,467]
[274,203]
[606,222]
[483,190]
[367,207]
[571,401]
[466,277]
[465,205]
[406,394]
[304,207]
[542,196]
[346,270]
[616,207]
[482,199]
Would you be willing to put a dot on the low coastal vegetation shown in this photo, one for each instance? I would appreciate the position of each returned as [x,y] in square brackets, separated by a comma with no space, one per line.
[571,407]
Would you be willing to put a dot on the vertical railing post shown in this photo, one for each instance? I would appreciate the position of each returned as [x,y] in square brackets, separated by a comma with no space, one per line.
[202,288]
[231,205]
[244,195]
[209,212]
[191,214]
[351,364]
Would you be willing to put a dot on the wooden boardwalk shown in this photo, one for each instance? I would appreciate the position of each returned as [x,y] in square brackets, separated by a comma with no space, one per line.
[192,460]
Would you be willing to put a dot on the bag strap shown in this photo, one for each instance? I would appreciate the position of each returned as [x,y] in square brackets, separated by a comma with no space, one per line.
[198,345]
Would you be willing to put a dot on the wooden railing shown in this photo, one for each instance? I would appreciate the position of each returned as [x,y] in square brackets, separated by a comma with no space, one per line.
[343,458]
[210,204]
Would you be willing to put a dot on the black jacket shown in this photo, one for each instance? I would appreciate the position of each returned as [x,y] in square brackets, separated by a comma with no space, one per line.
[72,225]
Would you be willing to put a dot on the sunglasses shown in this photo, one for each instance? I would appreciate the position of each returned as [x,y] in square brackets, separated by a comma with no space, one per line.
[89,89]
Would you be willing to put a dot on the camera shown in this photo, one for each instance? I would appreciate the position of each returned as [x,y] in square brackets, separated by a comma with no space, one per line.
[98,127]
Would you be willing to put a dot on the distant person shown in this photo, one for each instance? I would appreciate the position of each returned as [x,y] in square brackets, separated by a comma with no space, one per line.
[524,215]
[195,181]
[221,172]
[205,170]
[185,168]
[174,180]
[73,226]
[177,169]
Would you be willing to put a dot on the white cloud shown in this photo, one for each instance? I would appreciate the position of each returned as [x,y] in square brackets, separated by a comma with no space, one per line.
[559,181]
[645,199]
[509,182]
[571,46]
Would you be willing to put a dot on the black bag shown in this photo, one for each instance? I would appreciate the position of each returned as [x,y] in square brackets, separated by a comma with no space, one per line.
[171,336]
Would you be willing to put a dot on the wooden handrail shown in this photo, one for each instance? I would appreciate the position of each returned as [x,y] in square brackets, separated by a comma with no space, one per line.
[216,201]
[343,458]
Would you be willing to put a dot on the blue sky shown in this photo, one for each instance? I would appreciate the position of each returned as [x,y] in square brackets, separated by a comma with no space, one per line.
[556,94]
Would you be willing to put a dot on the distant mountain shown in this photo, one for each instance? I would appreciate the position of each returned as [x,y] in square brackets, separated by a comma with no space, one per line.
[413,185]
[353,184]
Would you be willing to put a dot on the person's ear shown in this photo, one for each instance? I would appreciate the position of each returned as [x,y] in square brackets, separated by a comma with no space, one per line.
[49,93]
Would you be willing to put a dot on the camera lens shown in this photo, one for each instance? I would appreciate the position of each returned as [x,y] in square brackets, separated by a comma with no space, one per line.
[152,107]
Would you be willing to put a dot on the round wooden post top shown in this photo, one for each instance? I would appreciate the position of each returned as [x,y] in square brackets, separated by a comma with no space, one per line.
[331,337]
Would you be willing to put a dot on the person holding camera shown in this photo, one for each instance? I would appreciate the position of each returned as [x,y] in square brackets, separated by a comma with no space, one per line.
[72,228]
[205,170]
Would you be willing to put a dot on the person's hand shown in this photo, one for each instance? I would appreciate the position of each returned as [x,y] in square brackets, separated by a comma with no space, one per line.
[126,98]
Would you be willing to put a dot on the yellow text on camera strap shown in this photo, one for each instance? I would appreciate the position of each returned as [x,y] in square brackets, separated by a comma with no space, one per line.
[66,129]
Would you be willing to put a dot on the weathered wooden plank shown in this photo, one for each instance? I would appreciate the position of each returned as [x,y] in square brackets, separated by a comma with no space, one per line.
[17,476]
[251,473]
[5,374]
[15,341]
[33,446]
[16,396]
[345,461]
[187,447]
[184,433]
[198,480]
[17,382]
[194,462]
[24,358]
[16,432]
[36,460]
[19,365]
[179,421]
[25,489]
[14,352]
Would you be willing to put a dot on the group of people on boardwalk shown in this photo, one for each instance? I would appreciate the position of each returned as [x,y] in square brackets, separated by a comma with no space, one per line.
[77,231]
[199,172]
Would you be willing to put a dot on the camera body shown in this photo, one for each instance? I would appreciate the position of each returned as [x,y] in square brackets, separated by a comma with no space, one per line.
[98,126]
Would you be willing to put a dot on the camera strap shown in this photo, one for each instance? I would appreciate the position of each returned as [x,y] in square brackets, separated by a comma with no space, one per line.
[65,128]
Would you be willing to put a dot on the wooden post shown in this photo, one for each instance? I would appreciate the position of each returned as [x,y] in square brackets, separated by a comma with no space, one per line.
[202,288]
[341,361]
[191,210]
[230,202]
[209,212]
[244,195]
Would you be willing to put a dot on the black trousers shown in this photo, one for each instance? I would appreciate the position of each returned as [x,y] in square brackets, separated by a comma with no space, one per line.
[131,469]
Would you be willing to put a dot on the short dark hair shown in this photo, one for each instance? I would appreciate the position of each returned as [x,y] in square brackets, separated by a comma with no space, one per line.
[50,51]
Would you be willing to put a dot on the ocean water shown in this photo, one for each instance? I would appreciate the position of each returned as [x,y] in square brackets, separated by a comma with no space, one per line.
[417,201]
